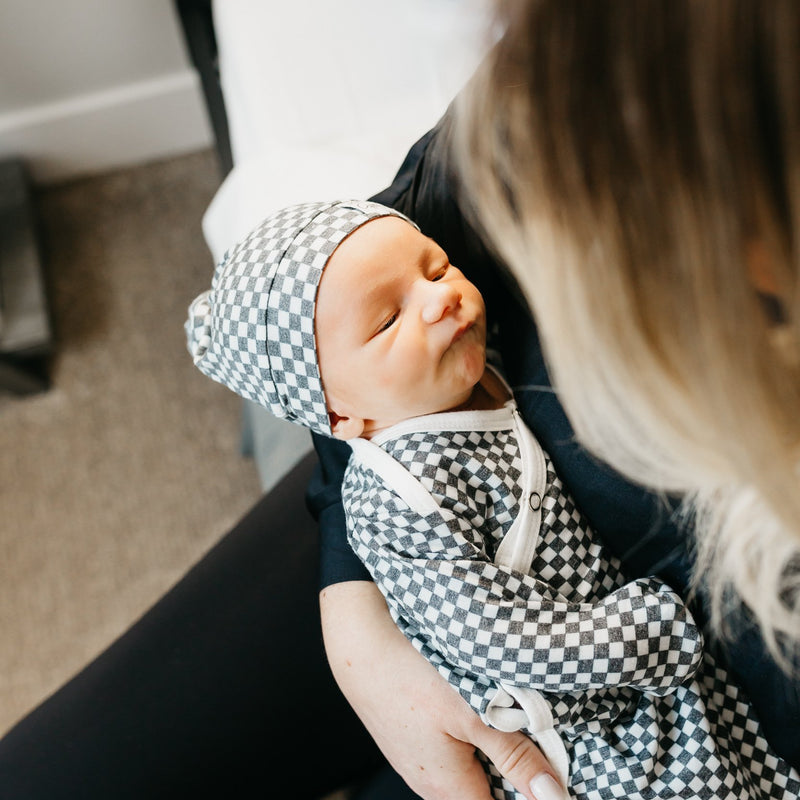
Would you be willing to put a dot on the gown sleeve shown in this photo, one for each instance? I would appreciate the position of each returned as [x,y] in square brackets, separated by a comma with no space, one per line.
[509,626]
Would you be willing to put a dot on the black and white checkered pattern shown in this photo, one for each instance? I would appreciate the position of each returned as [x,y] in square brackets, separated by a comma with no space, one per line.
[254,330]
[614,660]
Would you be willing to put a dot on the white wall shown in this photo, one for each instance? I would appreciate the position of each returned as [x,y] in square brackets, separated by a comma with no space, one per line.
[92,85]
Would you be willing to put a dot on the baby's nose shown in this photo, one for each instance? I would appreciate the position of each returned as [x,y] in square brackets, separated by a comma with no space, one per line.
[441,298]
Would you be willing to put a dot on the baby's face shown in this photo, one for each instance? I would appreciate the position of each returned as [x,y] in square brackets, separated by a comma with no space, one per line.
[400,331]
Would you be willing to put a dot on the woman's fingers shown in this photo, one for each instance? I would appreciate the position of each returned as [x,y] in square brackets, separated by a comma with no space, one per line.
[521,762]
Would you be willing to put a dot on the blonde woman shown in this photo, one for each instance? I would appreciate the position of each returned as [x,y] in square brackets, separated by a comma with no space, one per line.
[635,162]
[638,166]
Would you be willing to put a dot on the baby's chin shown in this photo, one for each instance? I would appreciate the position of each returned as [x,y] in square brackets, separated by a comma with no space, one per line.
[473,365]
[468,399]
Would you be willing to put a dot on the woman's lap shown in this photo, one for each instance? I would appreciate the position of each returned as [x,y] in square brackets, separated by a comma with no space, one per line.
[222,689]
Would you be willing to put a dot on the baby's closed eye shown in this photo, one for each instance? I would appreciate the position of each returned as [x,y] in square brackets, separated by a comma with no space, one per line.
[441,273]
[388,323]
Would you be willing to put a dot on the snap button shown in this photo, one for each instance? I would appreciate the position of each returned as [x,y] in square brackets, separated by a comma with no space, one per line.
[535,501]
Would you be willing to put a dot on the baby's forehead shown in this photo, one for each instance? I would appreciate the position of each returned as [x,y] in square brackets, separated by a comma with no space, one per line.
[386,223]
[374,255]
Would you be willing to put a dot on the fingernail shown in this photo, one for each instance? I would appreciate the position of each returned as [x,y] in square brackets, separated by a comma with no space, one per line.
[546,787]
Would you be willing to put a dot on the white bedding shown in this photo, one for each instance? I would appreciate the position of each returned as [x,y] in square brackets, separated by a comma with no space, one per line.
[325,98]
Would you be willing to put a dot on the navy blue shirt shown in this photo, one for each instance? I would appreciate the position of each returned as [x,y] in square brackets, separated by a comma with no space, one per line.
[643,530]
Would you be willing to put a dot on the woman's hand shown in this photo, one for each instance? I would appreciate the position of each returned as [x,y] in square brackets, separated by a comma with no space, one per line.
[422,726]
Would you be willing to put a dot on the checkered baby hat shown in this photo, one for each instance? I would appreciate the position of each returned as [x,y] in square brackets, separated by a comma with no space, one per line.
[254,330]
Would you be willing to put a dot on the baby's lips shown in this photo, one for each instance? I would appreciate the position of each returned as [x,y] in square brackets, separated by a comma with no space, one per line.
[461,331]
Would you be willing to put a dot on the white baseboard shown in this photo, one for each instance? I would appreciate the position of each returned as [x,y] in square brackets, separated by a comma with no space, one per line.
[107,130]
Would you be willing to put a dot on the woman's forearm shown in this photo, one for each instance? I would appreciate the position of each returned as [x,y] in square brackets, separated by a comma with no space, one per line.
[423,727]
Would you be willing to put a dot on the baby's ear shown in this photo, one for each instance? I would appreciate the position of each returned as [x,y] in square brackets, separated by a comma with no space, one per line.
[345,427]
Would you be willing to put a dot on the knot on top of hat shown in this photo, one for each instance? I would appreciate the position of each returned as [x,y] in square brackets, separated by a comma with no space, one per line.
[198,326]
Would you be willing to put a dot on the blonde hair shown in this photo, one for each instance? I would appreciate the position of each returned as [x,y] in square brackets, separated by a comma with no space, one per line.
[634,162]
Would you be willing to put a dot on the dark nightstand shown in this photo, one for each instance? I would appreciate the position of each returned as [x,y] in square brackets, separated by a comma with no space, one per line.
[25,331]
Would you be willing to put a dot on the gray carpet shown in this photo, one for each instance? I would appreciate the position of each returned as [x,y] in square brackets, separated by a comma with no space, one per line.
[122,475]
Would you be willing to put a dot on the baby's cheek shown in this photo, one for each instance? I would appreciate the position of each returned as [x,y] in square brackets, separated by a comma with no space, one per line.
[382,386]
[399,381]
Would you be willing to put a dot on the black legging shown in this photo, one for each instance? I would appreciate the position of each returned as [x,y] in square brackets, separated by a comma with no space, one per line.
[221,690]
